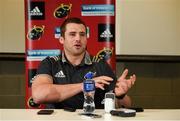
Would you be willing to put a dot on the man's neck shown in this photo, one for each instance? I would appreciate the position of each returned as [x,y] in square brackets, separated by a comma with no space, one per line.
[75,59]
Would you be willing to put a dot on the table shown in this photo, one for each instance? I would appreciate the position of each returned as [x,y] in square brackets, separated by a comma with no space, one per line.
[61,115]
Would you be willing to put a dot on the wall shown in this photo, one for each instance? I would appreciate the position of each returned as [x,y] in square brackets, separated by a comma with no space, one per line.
[178,19]
[12,87]
[147,27]
[12,26]
[157,84]
[143,27]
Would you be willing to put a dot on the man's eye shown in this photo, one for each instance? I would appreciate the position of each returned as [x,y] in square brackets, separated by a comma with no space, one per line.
[82,34]
[72,34]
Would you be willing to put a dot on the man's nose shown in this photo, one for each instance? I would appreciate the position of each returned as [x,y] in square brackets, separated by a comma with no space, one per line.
[78,37]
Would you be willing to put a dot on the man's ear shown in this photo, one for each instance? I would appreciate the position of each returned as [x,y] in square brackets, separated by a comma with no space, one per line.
[61,40]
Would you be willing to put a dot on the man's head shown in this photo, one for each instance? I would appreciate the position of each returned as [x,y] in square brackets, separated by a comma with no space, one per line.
[73,36]
[71,20]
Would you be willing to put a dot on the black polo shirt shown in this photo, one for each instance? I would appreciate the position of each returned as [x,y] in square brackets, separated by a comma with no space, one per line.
[63,72]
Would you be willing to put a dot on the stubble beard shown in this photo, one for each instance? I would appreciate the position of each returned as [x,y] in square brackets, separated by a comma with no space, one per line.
[76,52]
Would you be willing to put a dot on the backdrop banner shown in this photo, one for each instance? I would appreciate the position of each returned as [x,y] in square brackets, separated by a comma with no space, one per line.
[42,31]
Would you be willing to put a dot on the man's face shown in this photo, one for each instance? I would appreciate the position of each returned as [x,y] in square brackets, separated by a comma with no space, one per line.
[74,39]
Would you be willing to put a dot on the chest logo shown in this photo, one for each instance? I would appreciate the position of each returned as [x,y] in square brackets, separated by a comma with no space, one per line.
[60,74]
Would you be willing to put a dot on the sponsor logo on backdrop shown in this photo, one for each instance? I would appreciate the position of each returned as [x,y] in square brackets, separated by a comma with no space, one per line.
[106,32]
[88,31]
[31,76]
[32,104]
[97,10]
[36,11]
[57,33]
[35,33]
[39,55]
[104,54]
[63,10]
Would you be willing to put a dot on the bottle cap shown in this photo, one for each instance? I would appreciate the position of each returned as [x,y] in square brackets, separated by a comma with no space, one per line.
[89,75]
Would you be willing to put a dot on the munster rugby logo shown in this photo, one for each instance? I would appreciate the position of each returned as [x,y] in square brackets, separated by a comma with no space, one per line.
[62,11]
[32,104]
[35,33]
[104,54]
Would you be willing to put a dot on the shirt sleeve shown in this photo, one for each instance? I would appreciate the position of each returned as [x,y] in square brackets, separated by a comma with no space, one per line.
[45,67]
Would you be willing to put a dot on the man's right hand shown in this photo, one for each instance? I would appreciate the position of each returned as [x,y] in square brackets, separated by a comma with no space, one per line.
[100,81]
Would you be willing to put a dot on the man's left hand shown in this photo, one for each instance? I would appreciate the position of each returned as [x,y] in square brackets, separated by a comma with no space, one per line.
[123,84]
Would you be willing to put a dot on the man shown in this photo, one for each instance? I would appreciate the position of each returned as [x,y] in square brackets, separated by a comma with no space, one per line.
[59,80]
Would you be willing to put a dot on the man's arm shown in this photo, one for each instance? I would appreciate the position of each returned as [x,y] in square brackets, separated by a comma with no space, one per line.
[122,87]
[43,90]
[125,102]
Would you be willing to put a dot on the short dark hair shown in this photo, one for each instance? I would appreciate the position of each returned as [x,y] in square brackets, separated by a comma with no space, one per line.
[71,20]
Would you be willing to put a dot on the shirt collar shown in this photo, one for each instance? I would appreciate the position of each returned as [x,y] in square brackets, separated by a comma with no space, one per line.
[86,60]
[63,57]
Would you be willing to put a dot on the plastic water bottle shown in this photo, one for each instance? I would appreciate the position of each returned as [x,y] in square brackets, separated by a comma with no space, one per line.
[89,91]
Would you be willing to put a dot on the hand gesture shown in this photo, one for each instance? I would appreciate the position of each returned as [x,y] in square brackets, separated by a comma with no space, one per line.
[123,84]
[100,81]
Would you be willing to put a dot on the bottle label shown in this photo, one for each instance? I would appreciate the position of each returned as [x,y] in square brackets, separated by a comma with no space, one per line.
[89,86]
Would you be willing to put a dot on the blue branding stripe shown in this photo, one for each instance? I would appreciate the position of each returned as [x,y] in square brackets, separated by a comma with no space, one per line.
[97,10]
[38,55]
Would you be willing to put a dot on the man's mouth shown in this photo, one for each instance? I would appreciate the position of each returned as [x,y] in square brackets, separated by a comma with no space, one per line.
[77,45]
